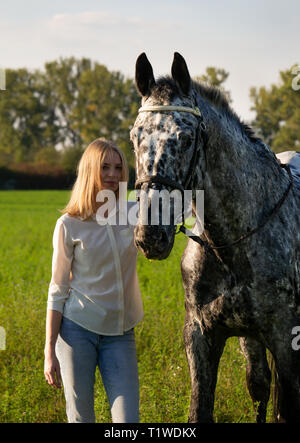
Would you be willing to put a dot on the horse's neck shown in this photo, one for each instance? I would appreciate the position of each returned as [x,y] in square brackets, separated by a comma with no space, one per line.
[242,181]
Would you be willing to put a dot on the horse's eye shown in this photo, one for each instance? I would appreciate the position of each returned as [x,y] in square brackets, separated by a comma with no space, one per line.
[186,140]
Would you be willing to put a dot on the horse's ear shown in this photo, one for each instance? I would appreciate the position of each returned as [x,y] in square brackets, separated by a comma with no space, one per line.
[144,77]
[180,74]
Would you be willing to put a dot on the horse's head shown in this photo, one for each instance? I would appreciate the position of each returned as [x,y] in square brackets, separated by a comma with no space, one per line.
[166,143]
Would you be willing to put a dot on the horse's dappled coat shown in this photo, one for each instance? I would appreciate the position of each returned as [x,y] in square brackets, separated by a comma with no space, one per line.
[251,290]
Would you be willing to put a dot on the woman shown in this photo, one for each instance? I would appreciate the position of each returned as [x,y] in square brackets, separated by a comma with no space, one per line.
[94,300]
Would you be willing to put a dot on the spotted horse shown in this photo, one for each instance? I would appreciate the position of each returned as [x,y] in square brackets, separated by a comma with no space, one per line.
[241,270]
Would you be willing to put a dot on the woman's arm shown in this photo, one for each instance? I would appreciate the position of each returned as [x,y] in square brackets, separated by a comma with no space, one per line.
[63,252]
[57,295]
[51,367]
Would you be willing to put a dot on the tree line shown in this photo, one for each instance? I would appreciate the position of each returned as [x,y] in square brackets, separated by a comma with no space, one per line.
[49,116]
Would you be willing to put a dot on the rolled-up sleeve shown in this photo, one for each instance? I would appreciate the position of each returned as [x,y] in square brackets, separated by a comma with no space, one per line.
[61,267]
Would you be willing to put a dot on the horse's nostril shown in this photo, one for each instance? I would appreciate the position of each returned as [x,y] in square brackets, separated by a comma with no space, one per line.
[162,241]
[156,237]
[154,241]
[160,237]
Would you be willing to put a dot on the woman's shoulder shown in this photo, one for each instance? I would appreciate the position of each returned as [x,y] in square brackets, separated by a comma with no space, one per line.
[65,218]
[71,225]
[68,220]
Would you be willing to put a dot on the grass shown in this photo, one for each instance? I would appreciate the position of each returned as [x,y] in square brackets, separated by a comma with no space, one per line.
[27,220]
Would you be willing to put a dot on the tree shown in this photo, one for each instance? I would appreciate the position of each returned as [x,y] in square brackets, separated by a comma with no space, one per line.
[278,112]
[24,118]
[70,158]
[48,155]
[61,83]
[67,105]
[106,107]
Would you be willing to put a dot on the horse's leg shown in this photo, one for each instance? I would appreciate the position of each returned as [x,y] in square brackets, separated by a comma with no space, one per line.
[258,375]
[287,364]
[203,354]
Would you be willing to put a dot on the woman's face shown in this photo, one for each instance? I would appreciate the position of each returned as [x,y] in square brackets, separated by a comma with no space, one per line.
[111,171]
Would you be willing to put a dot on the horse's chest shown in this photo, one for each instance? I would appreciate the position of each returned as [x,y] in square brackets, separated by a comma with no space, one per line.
[213,295]
[217,304]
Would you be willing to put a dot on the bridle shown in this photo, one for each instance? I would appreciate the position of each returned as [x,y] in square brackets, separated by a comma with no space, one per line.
[190,176]
[200,133]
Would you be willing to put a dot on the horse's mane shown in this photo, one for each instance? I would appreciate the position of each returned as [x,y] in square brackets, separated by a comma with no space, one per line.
[218,99]
[166,87]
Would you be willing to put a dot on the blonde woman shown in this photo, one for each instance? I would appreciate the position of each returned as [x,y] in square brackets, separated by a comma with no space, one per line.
[94,300]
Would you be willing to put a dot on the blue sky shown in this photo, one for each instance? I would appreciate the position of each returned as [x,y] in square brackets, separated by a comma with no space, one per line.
[251,39]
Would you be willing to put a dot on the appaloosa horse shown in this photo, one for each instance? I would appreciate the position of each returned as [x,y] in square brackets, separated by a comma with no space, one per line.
[241,275]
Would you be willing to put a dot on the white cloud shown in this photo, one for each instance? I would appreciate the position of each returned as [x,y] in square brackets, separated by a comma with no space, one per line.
[91,22]
[84,19]
[97,21]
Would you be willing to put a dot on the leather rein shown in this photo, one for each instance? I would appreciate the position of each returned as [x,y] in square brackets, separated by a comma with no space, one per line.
[201,132]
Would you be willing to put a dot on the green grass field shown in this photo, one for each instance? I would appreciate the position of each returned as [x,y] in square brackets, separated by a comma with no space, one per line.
[27,220]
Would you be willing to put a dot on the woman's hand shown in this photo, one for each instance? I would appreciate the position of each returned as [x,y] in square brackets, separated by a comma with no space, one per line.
[52,369]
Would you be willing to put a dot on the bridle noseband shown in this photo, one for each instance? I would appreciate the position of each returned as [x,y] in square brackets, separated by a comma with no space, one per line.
[200,131]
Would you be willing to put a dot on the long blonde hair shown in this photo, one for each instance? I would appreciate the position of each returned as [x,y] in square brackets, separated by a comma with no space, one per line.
[82,202]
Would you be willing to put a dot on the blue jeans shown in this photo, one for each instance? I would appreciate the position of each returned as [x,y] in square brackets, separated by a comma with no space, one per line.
[79,352]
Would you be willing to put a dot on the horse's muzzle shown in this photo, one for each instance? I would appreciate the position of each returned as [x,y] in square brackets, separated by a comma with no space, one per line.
[155,242]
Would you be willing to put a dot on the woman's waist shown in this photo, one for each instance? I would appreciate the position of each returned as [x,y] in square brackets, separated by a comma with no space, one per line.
[99,292]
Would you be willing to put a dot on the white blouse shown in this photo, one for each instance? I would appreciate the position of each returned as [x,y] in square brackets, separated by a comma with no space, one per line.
[94,279]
